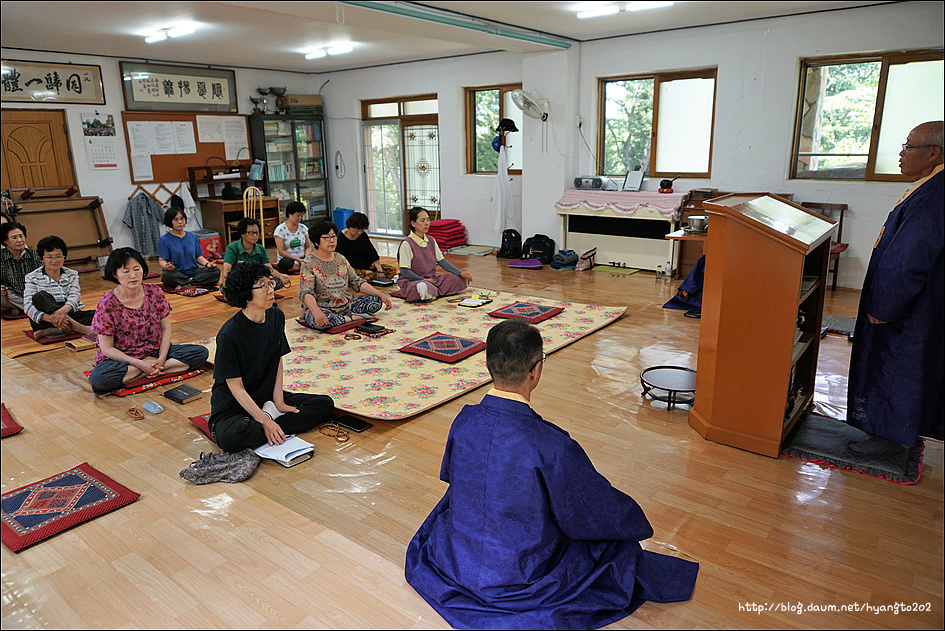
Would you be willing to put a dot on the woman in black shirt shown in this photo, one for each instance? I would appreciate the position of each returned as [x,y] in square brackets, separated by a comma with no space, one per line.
[354,245]
[247,370]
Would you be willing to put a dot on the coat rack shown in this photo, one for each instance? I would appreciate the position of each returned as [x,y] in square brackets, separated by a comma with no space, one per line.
[157,191]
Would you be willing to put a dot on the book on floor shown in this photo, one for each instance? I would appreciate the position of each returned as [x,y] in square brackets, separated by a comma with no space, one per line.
[290,453]
[183,394]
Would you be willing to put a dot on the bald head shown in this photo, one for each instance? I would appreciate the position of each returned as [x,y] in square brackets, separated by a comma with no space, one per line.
[923,150]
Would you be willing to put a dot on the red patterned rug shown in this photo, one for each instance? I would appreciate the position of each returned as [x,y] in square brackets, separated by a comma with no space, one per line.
[202,423]
[144,384]
[527,311]
[8,426]
[52,339]
[36,511]
[444,347]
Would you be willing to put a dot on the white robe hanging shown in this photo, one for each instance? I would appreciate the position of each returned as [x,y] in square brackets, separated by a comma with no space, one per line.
[504,212]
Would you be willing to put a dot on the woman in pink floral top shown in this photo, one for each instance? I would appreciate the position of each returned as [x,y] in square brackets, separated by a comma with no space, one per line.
[134,329]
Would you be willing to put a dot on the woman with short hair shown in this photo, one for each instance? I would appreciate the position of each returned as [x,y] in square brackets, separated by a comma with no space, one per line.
[247,370]
[181,255]
[291,237]
[16,261]
[248,249]
[327,278]
[354,245]
[134,328]
[51,295]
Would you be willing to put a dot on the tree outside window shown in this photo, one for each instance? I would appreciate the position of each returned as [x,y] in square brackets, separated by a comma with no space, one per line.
[854,112]
[661,124]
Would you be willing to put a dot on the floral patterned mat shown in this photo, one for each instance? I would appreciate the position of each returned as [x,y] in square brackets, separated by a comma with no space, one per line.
[369,377]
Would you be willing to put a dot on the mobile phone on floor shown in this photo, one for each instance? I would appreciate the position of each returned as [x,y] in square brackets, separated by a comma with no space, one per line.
[354,424]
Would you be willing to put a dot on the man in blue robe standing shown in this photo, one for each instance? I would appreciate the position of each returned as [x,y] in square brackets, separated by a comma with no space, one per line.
[529,535]
[896,381]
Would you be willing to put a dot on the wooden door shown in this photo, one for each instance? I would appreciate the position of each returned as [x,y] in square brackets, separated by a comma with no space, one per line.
[36,149]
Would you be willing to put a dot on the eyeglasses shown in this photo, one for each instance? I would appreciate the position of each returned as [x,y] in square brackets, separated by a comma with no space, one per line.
[269,285]
[329,237]
[544,356]
[906,146]
[53,257]
[253,233]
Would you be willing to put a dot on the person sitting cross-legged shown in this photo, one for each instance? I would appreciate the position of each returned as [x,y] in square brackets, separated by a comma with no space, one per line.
[327,278]
[529,535]
[247,248]
[133,322]
[51,294]
[181,255]
[418,256]
[247,370]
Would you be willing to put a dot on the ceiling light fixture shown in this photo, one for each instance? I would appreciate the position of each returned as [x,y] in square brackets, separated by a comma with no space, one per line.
[609,9]
[339,48]
[318,53]
[643,6]
[178,30]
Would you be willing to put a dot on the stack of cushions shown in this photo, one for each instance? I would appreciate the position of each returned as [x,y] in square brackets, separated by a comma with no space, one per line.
[448,233]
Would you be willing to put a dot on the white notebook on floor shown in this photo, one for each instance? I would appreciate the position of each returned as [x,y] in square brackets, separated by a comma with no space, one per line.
[290,453]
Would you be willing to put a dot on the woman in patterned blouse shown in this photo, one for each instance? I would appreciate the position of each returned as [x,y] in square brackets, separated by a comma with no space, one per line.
[326,279]
[134,329]
[51,295]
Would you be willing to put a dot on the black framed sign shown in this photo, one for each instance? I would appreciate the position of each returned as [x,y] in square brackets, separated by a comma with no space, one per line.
[47,82]
[184,88]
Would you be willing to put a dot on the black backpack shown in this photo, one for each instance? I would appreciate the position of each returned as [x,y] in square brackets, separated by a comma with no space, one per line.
[540,246]
[511,245]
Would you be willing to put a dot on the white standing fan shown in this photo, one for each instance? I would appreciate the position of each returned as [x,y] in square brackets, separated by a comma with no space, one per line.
[534,105]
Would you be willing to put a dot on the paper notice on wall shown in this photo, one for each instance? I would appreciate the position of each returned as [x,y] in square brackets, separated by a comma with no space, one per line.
[140,138]
[141,167]
[235,139]
[209,128]
[163,138]
[184,139]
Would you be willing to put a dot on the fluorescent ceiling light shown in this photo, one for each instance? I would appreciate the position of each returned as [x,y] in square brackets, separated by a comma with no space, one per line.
[643,6]
[609,9]
[340,49]
[181,29]
[316,54]
[160,36]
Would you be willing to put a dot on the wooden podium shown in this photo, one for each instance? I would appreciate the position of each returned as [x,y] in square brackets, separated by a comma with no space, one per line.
[762,306]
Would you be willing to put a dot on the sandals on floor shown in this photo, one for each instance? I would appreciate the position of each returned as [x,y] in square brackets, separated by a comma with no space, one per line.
[135,413]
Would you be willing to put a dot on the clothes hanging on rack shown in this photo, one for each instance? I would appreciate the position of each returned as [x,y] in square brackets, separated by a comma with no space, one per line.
[194,218]
[145,216]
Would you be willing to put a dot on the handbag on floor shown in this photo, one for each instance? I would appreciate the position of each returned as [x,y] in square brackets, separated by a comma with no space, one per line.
[586,261]
[222,467]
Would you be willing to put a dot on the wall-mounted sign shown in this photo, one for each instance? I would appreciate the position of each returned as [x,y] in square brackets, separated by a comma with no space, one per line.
[185,88]
[44,82]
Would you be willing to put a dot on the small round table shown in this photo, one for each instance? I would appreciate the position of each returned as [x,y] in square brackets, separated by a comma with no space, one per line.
[674,380]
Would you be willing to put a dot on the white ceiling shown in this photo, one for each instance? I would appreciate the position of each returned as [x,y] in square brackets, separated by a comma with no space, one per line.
[274,35]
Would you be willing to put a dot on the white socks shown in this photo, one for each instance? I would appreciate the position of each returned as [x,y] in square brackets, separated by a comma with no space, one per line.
[424,290]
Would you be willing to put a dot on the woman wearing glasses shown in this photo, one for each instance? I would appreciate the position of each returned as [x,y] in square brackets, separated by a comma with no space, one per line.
[133,322]
[327,278]
[248,249]
[51,295]
[248,407]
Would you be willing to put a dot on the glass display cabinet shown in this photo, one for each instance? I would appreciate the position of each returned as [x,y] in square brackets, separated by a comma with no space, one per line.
[293,147]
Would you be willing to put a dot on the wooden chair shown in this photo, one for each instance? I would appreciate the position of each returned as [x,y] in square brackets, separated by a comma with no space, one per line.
[837,247]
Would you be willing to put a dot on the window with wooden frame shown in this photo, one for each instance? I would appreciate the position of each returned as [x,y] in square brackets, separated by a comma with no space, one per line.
[485,107]
[659,123]
[401,160]
[855,111]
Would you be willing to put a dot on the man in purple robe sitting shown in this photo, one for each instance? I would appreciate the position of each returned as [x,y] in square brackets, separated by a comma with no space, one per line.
[529,535]
[897,371]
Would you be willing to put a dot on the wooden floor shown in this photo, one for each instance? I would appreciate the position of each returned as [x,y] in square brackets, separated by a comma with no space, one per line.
[322,544]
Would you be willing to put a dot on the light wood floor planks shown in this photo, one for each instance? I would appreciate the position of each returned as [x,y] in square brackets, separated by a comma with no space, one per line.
[322,544]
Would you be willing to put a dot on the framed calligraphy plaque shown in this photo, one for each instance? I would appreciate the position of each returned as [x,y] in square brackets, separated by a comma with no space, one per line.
[47,82]
[180,88]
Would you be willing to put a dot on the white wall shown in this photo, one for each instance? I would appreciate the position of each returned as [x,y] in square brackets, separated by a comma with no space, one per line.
[757,82]
[758,74]
[114,185]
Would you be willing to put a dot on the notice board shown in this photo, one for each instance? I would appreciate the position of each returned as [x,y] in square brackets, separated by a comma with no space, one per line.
[161,145]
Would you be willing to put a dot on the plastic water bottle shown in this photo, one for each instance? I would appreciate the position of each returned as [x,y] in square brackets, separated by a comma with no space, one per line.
[668,276]
[659,273]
